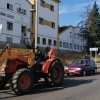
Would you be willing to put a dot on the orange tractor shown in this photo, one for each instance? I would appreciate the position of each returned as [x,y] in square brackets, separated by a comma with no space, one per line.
[17,68]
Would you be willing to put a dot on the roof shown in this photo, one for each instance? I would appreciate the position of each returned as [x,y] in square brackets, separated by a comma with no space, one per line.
[64,28]
[61,29]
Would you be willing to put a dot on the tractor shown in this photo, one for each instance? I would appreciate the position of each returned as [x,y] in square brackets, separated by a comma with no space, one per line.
[17,68]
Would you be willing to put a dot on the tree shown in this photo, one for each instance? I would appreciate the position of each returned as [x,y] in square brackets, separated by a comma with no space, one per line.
[82,24]
[91,27]
[31,46]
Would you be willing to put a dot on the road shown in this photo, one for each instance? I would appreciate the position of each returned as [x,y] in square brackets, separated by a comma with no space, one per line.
[73,88]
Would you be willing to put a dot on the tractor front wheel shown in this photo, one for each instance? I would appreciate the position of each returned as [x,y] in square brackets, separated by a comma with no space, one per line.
[55,74]
[21,81]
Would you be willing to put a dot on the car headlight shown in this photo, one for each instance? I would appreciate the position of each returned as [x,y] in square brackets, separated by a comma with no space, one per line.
[66,68]
[78,68]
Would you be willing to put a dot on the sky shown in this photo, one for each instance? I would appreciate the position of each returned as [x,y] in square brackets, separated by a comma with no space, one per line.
[70,10]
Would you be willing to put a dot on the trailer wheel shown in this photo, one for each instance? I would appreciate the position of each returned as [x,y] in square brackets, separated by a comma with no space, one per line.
[55,75]
[2,84]
[21,82]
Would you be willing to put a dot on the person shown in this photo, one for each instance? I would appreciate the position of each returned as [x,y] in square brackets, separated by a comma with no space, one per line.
[87,56]
[38,57]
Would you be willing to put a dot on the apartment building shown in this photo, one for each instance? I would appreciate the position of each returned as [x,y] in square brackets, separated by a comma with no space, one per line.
[70,38]
[47,22]
[15,19]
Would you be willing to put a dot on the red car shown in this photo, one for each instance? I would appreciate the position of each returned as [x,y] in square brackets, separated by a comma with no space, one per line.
[81,66]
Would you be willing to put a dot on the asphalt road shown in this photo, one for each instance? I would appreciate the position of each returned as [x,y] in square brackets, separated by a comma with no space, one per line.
[73,88]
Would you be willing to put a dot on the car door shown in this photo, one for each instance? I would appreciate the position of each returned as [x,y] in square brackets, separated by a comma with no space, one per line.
[88,66]
[93,66]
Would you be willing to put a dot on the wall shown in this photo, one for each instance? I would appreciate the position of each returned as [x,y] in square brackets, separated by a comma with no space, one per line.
[45,31]
[71,35]
[18,19]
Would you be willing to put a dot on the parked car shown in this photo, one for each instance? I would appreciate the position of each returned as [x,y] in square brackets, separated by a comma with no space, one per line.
[81,66]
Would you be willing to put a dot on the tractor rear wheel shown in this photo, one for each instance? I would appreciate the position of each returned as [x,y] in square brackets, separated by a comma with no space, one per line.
[21,81]
[2,84]
[55,74]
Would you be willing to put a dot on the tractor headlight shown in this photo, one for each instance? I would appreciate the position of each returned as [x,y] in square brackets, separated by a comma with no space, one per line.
[2,69]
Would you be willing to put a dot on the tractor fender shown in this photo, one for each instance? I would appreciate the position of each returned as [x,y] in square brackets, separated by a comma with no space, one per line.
[47,64]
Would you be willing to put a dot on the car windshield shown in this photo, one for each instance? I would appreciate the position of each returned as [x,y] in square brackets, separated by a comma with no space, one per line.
[78,62]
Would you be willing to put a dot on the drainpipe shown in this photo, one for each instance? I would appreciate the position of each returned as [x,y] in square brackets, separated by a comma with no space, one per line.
[73,40]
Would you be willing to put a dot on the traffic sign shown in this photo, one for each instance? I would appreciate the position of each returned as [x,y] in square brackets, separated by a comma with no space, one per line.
[93,49]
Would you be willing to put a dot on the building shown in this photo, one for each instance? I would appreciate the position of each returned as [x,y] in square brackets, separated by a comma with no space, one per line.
[70,38]
[45,22]
[15,18]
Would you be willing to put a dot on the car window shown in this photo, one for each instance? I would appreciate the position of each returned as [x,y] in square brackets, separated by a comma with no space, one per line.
[92,63]
[76,62]
[88,62]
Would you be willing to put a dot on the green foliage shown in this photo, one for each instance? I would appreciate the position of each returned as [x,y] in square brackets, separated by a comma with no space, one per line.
[92,25]
[91,28]
[31,46]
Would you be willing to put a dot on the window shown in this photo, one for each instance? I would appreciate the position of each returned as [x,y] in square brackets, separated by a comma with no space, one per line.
[23,29]
[70,34]
[67,45]
[51,7]
[44,41]
[88,63]
[49,42]
[70,45]
[40,20]
[23,12]
[9,6]
[22,41]
[52,25]
[38,40]
[42,3]
[9,26]
[92,63]
[64,44]
[74,46]
[75,36]
[55,43]
[77,47]
[60,43]
[80,47]
[9,39]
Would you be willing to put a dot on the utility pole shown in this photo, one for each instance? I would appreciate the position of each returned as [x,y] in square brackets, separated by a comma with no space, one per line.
[36,22]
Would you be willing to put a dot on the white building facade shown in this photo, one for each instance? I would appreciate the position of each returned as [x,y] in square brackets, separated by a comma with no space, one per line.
[15,19]
[47,22]
[70,39]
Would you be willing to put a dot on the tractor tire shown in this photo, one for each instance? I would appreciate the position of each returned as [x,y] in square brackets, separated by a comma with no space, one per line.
[21,82]
[2,84]
[35,81]
[55,74]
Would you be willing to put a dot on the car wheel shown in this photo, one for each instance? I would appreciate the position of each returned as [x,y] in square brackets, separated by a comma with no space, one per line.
[84,73]
[95,71]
